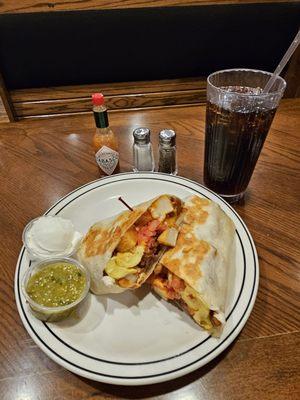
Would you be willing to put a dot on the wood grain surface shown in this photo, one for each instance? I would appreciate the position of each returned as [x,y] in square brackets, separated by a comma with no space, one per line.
[43,159]
[119,96]
[23,6]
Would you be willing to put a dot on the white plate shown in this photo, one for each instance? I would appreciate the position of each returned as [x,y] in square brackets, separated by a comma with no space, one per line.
[135,338]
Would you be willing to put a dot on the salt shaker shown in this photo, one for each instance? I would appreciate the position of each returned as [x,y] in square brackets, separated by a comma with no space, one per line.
[142,150]
[167,152]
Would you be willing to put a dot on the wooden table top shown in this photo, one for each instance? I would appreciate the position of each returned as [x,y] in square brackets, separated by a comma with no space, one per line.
[42,160]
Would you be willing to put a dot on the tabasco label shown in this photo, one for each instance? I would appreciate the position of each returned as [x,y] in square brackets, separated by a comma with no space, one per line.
[107,159]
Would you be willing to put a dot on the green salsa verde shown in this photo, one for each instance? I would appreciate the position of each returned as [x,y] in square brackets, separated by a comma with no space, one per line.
[57,284]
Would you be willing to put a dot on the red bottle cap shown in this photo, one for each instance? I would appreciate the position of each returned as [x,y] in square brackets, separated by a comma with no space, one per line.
[97,99]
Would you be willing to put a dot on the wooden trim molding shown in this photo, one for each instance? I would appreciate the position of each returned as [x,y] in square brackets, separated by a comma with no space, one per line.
[6,101]
[25,6]
[119,96]
[41,102]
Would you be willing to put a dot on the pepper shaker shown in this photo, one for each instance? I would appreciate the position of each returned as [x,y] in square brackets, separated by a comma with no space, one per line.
[167,152]
[142,150]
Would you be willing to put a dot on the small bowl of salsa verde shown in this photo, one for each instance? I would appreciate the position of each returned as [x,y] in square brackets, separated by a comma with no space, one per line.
[54,287]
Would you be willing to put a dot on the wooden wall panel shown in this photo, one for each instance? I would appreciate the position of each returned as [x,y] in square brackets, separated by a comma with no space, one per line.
[6,106]
[23,6]
[292,76]
[39,102]
[119,96]
[109,89]
[3,113]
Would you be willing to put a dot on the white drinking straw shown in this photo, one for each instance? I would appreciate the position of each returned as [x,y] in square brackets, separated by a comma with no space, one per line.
[283,62]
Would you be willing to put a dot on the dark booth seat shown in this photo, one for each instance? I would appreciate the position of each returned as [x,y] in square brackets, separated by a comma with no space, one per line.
[84,47]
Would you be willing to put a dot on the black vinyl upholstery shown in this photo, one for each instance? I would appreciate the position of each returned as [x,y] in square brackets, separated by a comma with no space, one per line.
[80,47]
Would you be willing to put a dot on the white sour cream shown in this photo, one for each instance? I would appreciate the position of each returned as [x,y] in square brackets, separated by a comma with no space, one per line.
[51,236]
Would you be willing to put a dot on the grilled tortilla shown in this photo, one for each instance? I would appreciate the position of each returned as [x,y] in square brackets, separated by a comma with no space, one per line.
[195,272]
[122,252]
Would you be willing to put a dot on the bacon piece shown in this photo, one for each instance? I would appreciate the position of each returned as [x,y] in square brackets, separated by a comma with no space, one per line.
[172,294]
[177,284]
[163,285]
[162,227]
[153,225]
[151,243]
[147,232]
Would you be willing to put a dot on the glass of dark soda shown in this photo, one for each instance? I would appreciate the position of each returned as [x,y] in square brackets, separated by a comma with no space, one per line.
[238,118]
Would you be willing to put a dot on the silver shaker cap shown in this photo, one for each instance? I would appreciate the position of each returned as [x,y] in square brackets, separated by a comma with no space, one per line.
[141,135]
[167,137]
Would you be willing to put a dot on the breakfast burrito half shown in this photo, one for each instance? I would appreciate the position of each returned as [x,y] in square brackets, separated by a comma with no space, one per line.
[122,252]
[195,272]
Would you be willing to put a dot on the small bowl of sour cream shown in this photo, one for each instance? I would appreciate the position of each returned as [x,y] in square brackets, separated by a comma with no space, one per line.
[50,236]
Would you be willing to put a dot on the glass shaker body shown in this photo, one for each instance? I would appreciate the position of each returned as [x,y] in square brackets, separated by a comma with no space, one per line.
[142,151]
[143,157]
[167,152]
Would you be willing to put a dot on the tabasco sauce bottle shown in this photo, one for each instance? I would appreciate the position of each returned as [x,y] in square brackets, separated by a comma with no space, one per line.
[105,142]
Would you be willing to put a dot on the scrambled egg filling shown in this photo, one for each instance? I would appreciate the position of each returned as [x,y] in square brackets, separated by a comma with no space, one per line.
[123,264]
[197,308]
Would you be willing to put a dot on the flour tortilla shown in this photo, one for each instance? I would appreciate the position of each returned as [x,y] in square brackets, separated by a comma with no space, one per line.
[100,242]
[205,252]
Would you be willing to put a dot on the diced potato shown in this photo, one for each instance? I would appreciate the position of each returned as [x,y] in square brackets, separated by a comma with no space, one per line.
[168,237]
[124,283]
[180,219]
[128,281]
[161,207]
[160,288]
[171,221]
[158,269]
[128,241]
